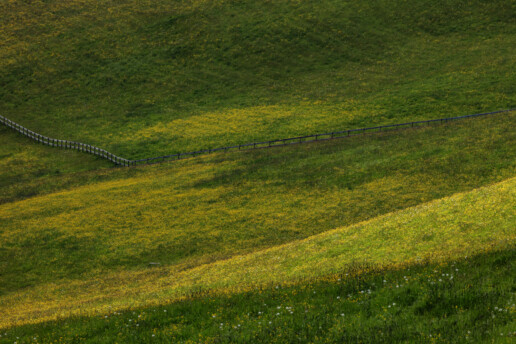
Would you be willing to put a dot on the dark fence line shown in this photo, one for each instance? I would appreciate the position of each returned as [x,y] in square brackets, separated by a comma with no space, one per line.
[255,145]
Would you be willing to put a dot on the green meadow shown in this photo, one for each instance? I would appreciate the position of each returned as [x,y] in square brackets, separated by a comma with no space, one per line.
[400,236]
[468,300]
[142,78]
[199,213]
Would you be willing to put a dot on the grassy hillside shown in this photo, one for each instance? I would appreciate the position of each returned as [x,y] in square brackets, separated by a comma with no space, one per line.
[363,239]
[463,224]
[28,169]
[145,78]
[469,300]
[205,209]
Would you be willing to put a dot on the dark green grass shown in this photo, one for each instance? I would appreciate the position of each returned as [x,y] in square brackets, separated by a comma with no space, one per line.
[466,301]
[135,66]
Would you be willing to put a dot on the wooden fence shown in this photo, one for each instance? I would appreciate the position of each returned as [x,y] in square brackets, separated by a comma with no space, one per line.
[83,147]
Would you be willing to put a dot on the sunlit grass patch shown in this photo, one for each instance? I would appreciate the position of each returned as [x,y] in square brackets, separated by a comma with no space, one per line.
[245,125]
[463,224]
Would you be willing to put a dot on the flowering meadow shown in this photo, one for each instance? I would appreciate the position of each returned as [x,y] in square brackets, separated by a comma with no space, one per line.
[466,300]
[120,241]
[401,236]
[433,232]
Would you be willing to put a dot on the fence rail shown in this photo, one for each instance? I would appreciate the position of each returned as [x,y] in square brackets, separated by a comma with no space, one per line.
[83,147]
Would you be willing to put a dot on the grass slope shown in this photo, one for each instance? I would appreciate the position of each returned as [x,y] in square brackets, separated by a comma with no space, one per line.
[202,210]
[449,228]
[145,78]
[28,169]
[465,301]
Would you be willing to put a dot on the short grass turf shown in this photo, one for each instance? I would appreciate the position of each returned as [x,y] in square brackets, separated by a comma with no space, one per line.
[468,300]
[148,78]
